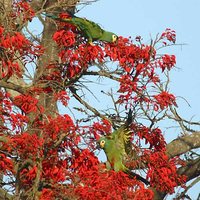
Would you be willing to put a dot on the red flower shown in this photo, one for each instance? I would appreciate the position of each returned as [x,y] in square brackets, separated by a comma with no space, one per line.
[152,137]
[1,31]
[24,9]
[64,38]
[167,61]
[27,145]
[164,99]
[163,172]
[169,34]
[47,194]
[101,128]
[62,96]
[26,103]
[6,164]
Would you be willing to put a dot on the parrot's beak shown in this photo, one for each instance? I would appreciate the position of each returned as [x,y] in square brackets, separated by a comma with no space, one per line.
[98,145]
[116,41]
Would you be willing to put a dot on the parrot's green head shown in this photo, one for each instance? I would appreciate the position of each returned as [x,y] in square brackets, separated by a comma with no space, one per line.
[103,142]
[109,37]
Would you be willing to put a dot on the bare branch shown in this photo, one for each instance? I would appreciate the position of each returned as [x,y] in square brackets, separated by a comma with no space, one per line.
[77,97]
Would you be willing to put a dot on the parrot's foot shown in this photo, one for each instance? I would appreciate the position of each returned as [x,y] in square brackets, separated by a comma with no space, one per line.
[91,43]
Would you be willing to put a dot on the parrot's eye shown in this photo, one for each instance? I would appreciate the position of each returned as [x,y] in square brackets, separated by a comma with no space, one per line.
[114,38]
[102,143]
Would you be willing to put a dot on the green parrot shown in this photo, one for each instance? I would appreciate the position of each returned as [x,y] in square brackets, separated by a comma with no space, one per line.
[117,146]
[89,29]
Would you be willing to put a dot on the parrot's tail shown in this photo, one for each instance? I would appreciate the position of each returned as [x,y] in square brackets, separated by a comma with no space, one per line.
[129,118]
[60,17]
[50,15]
[137,176]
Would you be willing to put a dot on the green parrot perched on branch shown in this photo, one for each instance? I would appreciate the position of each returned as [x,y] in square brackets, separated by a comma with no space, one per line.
[117,146]
[89,29]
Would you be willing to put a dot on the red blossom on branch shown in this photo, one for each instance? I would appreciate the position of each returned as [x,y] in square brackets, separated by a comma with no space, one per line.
[167,61]
[101,128]
[27,145]
[63,97]
[64,38]
[119,185]
[28,175]
[153,137]
[6,164]
[23,8]
[169,34]
[15,45]
[163,172]
[26,103]
[164,100]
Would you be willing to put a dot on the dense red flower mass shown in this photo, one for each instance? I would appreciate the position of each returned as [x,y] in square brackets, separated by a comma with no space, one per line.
[64,38]
[162,172]
[53,153]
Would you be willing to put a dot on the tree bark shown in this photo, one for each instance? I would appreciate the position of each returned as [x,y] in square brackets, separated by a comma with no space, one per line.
[183,144]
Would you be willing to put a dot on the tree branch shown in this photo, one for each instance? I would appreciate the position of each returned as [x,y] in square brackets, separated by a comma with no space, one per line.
[183,144]
[102,73]
[12,86]
[191,169]
[76,96]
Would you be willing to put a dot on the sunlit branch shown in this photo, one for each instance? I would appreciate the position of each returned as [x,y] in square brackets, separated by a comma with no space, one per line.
[183,144]
[13,86]
[84,103]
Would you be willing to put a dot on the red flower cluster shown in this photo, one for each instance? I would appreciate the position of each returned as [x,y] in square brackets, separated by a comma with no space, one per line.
[26,103]
[55,172]
[166,62]
[153,137]
[139,66]
[56,127]
[27,145]
[6,164]
[169,34]
[64,38]
[80,58]
[13,45]
[47,194]
[103,183]
[63,97]
[128,54]
[163,172]
[163,100]
[9,45]
[127,87]
[102,128]
[17,121]
[23,9]
[28,175]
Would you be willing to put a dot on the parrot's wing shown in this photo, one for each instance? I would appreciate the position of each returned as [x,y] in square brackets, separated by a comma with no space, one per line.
[122,136]
[90,28]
